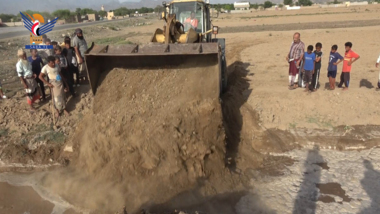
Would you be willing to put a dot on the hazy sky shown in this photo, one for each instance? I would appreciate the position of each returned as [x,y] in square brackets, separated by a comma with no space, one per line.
[211,1]
[129,0]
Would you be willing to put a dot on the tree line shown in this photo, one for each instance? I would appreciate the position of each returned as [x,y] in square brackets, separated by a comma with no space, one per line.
[66,14]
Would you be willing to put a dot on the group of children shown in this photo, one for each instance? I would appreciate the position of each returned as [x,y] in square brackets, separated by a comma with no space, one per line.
[312,66]
[59,66]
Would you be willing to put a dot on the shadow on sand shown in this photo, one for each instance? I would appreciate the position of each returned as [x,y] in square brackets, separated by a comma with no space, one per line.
[366,83]
[371,184]
[236,95]
[307,196]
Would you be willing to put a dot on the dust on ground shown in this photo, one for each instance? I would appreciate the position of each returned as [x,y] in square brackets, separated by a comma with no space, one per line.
[146,130]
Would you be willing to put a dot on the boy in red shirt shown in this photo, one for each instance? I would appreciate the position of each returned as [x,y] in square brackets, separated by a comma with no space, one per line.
[347,62]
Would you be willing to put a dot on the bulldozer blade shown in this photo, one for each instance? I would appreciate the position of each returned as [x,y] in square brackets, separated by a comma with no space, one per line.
[103,58]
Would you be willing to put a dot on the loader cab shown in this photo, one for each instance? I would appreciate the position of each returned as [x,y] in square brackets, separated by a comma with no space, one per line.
[184,9]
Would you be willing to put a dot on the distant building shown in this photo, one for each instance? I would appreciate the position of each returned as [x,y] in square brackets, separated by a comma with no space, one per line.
[102,8]
[110,15]
[241,5]
[84,17]
[93,17]
[77,18]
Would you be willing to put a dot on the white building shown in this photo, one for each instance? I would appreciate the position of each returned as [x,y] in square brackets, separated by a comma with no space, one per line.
[241,5]
[102,8]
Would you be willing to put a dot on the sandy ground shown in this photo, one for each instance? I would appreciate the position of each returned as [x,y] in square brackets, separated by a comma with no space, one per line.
[279,143]
[280,108]
[301,16]
[319,181]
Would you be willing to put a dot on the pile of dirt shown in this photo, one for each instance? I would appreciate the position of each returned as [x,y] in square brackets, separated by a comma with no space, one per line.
[152,134]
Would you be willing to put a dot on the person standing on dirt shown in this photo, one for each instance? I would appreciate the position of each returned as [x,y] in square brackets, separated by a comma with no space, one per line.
[308,66]
[64,69]
[294,58]
[56,83]
[377,66]
[317,68]
[349,58]
[36,62]
[24,71]
[335,59]
[80,46]
[69,52]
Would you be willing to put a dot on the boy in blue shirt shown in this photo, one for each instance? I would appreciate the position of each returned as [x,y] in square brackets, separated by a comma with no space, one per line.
[37,62]
[317,67]
[308,68]
[332,68]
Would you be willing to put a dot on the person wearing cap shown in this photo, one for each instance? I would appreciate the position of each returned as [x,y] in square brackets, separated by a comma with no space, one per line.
[80,46]
[24,71]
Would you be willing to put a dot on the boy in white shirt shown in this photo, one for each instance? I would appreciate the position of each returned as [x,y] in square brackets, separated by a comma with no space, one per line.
[56,82]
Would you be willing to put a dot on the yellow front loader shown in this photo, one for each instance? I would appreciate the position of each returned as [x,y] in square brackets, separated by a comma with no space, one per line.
[185,40]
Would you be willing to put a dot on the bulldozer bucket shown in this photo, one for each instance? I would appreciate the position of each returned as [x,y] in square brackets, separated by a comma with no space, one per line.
[103,58]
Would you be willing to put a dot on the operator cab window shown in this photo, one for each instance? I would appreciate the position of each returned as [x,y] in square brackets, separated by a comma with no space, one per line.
[190,14]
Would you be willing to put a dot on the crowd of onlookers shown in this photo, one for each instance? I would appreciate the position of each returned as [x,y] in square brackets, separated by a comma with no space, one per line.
[60,68]
[305,67]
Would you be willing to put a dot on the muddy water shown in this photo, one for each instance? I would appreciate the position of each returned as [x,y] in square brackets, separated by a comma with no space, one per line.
[21,194]
[22,199]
